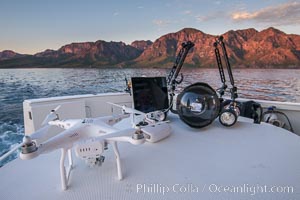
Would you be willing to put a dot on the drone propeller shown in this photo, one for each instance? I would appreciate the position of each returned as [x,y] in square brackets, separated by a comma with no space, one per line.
[51,116]
[26,141]
[127,109]
[16,147]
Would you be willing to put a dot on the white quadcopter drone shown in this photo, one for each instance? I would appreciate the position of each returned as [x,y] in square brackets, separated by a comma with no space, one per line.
[89,137]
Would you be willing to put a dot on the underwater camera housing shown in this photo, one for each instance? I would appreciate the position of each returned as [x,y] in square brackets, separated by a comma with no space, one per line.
[198,105]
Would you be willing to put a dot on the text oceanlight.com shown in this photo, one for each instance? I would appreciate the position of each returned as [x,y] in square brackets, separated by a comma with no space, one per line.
[155,188]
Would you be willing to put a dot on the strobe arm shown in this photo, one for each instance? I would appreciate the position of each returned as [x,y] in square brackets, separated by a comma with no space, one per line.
[229,113]
[186,46]
[233,90]
[171,80]
[221,90]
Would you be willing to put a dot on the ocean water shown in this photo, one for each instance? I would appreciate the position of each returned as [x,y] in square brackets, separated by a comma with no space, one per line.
[16,85]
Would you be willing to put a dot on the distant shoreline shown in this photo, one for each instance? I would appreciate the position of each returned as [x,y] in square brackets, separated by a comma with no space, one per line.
[248,48]
[133,67]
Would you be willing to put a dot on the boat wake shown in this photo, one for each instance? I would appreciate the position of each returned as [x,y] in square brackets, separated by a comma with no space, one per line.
[10,134]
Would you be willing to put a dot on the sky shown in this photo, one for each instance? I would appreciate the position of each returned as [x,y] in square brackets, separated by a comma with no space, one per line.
[31,26]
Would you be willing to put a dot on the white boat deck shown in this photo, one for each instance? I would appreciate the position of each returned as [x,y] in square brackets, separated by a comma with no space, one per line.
[247,161]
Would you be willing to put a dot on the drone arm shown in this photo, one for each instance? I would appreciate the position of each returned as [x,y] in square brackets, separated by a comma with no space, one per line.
[126,139]
[63,140]
[112,120]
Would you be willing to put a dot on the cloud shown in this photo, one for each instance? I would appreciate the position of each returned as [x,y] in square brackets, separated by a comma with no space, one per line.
[116,13]
[187,12]
[218,2]
[283,14]
[212,16]
[160,22]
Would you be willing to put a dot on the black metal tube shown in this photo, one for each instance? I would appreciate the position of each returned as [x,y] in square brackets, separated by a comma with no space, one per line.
[219,62]
[172,82]
[179,62]
[226,60]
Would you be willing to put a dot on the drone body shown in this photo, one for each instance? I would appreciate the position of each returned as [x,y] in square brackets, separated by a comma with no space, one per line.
[89,138]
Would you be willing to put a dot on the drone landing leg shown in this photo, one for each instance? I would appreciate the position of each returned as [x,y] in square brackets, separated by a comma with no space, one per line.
[70,163]
[63,170]
[63,173]
[117,154]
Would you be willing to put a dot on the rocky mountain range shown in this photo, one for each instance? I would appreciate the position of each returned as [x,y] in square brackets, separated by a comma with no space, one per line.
[7,54]
[246,48]
[141,44]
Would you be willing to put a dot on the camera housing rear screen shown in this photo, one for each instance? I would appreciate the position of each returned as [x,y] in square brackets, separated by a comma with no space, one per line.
[149,93]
